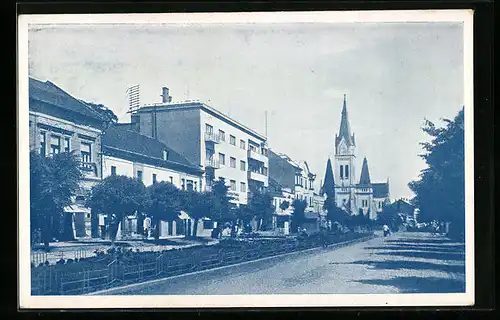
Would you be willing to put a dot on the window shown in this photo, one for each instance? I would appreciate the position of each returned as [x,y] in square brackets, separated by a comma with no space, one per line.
[341,172]
[154,178]
[264,171]
[55,144]
[195,186]
[113,170]
[183,184]
[222,159]
[208,224]
[243,187]
[43,144]
[252,148]
[243,165]
[232,140]
[232,185]
[86,149]
[209,128]
[232,162]
[165,155]
[242,144]
[346,171]
[66,144]
[139,175]
[171,179]
[222,135]
[190,185]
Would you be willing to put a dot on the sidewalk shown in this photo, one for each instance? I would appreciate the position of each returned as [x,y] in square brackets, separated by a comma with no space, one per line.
[85,248]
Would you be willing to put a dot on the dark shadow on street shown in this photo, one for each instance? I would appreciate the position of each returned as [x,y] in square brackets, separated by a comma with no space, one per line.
[454,248]
[420,285]
[422,241]
[455,256]
[414,265]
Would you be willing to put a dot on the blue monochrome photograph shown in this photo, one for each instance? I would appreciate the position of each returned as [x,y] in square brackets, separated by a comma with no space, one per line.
[247,158]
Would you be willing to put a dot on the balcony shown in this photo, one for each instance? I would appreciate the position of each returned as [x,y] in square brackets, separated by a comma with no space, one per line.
[89,169]
[257,176]
[212,163]
[212,137]
[256,155]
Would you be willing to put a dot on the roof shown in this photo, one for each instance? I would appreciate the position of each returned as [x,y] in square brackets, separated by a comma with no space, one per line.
[50,93]
[364,179]
[328,186]
[380,190]
[289,160]
[120,137]
[345,129]
[197,104]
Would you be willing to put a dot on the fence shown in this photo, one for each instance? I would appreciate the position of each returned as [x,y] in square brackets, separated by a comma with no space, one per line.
[38,258]
[48,281]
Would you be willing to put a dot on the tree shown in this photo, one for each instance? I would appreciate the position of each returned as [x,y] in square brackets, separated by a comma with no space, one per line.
[298,217]
[334,213]
[118,196]
[53,182]
[106,113]
[440,189]
[284,205]
[261,204]
[198,205]
[220,202]
[165,204]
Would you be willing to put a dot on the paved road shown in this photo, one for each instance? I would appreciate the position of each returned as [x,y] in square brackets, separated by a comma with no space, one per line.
[401,263]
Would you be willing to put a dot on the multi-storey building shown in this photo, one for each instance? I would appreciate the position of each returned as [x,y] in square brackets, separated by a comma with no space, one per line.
[127,152]
[58,123]
[221,146]
[355,196]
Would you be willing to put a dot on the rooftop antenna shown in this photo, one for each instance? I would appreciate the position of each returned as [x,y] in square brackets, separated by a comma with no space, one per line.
[133,94]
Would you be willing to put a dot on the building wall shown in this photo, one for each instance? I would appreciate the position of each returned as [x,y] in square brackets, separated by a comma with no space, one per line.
[129,168]
[76,133]
[178,129]
[281,171]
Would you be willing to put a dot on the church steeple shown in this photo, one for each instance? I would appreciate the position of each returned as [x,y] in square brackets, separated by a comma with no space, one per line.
[345,128]
[328,186]
[364,179]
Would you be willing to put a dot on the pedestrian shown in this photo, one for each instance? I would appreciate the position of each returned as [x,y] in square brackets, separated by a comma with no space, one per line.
[386,230]
[323,237]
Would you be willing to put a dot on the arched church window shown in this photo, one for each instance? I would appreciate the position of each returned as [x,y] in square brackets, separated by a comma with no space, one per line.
[341,172]
[347,171]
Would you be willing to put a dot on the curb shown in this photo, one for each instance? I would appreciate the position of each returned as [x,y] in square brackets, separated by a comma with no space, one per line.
[333,246]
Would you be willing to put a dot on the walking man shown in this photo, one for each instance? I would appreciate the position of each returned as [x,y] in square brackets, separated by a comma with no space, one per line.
[386,230]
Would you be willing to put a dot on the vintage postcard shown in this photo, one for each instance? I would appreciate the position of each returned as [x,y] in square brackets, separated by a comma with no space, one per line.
[319,159]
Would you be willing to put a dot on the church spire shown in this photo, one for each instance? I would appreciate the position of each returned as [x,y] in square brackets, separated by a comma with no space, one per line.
[364,179]
[345,128]
[328,186]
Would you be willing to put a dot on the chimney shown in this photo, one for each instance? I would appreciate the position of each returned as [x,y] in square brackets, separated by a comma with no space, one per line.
[165,98]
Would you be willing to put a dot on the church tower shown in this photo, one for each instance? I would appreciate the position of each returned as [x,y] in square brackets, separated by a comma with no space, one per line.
[345,157]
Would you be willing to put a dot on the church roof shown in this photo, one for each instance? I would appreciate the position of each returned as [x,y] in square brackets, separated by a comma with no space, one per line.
[364,179]
[345,129]
[380,190]
[328,186]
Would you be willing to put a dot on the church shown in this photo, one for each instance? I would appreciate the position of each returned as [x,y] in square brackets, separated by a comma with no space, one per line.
[355,196]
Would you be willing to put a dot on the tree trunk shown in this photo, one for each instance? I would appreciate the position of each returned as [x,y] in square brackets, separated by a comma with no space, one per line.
[94,224]
[195,227]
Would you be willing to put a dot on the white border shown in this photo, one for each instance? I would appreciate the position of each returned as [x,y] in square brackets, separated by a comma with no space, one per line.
[299,300]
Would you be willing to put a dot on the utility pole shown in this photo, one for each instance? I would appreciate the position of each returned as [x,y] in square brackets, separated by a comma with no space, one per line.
[265,115]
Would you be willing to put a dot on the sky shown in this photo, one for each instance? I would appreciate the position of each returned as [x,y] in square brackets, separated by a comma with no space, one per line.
[395,75]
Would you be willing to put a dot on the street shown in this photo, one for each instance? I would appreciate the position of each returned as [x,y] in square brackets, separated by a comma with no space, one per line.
[400,263]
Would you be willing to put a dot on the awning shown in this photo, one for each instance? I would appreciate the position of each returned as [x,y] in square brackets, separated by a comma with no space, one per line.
[184,215]
[76,209]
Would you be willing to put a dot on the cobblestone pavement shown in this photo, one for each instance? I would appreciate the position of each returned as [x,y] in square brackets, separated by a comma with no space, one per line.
[400,263]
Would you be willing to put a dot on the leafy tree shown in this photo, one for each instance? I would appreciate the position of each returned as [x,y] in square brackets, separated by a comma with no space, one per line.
[261,204]
[118,196]
[220,199]
[334,213]
[298,217]
[440,189]
[165,204]
[284,205]
[198,205]
[245,214]
[53,182]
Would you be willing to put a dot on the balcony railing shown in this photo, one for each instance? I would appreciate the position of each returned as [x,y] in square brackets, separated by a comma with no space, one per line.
[212,163]
[212,137]
[89,167]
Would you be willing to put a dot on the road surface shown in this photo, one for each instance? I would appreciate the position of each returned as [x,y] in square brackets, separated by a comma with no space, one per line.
[401,263]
